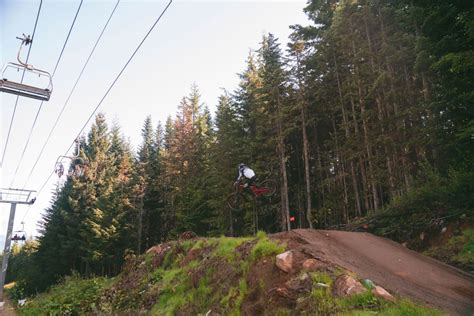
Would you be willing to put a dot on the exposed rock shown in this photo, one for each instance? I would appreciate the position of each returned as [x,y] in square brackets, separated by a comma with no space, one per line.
[157,249]
[381,292]
[284,261]
[311,265]
[346,285]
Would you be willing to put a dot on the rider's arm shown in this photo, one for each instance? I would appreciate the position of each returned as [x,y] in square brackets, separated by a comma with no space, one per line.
[239,176]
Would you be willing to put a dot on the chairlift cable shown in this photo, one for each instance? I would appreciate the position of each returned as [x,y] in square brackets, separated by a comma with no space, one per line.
[106,93]
[22,77]
[41,105]
[70,94]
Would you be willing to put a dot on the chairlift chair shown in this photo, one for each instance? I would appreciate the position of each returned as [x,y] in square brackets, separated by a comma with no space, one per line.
[21,89]
[78,162]
[19,235]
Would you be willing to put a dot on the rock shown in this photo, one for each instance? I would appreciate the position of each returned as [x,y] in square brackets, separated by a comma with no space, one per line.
[311,265]
[381,292]
[284,261]
[157,249]
[346,285]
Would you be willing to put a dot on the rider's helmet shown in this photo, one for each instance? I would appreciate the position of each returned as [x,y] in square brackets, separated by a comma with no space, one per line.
[241,166]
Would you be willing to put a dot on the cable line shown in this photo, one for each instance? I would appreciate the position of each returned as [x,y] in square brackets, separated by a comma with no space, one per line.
[41,105]
[106,93]
[22,77]
[70,93]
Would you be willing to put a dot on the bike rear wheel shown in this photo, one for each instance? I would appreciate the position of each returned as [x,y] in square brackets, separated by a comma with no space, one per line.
[270,185]
[234,201]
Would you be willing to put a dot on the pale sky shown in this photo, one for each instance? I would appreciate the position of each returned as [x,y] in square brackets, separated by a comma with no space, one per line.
[202,42]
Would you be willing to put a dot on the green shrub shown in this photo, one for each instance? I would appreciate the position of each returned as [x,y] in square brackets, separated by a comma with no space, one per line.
[74,296]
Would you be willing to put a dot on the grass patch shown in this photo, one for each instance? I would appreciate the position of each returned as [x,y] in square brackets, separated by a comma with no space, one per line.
[226,247]
[408,308]
[321,277]
[187,244]
[233,300]
[265,247]
[360,301]
[459,250]
[466,255]
[323,301]
[172,290]
[199,244]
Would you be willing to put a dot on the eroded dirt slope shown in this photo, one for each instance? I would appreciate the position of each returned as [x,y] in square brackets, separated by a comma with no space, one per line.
[397,268]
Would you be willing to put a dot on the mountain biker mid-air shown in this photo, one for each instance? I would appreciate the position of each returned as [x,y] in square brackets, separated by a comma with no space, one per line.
[246,175]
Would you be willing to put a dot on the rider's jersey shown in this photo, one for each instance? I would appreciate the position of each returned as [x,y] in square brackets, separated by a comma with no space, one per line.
[246,172]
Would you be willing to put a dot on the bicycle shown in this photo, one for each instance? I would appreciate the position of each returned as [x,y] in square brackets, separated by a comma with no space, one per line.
[266,189]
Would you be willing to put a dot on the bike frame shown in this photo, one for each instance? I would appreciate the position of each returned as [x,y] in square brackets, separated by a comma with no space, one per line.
[257,191]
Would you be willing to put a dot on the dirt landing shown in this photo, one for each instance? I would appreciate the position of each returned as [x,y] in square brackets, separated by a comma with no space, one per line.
[396,268]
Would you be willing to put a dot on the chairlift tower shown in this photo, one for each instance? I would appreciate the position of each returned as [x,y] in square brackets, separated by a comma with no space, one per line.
[13,197]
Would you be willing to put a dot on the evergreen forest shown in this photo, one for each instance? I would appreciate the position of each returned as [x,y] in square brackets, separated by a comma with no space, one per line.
[368,110]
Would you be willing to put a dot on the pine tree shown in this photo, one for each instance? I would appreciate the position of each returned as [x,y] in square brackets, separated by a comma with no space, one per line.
[273,90]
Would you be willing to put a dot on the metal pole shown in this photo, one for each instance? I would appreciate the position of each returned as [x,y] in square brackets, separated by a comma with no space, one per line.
[6,250]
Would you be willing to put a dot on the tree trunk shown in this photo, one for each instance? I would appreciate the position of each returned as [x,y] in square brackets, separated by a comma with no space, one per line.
[347,131]
[306,169]
[305,144]
[320,167]
[285,208]
[365,188]
[365,128]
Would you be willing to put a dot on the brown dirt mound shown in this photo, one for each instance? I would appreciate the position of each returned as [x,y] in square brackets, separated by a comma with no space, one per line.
[398,269]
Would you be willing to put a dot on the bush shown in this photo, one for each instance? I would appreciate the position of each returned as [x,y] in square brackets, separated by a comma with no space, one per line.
[74,296]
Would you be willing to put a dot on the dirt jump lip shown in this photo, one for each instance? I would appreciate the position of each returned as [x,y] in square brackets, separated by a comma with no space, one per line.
[398,269]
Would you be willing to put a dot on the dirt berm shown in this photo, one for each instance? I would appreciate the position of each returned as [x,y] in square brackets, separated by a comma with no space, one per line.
[398,269]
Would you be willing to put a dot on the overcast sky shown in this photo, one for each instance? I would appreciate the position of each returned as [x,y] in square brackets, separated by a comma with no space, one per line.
[202,42]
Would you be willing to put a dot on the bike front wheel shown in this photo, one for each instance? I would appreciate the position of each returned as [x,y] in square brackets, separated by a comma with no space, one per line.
[270,187]
[234,201]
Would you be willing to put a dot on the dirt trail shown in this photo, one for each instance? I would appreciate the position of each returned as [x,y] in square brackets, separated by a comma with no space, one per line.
[398,269]
[7,309]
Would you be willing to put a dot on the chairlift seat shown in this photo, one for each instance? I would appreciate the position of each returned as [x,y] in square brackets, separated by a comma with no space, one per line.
[25,90]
